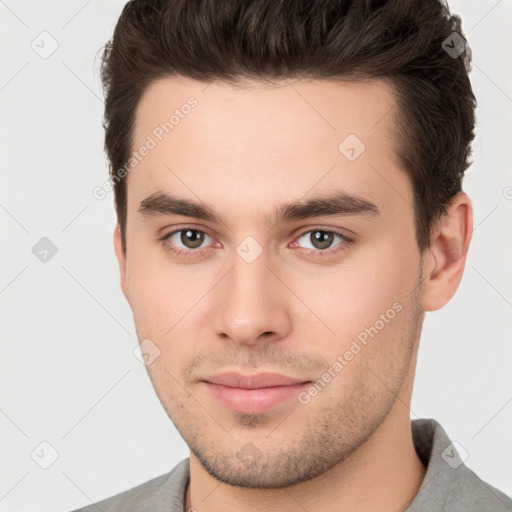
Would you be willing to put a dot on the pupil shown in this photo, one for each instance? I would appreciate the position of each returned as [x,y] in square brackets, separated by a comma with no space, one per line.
[192,238]
[321,239]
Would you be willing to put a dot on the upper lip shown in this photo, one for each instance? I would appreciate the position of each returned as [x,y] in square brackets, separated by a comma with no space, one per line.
[255,381]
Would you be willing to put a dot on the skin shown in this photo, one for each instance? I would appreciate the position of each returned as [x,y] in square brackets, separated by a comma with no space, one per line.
[244,151]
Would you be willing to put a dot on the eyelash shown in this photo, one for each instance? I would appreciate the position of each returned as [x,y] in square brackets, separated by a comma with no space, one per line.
[343,245]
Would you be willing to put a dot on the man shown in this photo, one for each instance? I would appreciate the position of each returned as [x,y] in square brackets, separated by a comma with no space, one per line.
[287,178]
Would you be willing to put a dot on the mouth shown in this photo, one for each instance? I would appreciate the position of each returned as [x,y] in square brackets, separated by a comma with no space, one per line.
[253,394]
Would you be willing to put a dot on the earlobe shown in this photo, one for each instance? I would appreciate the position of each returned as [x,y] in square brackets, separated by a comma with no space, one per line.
[121,259]
[447,254]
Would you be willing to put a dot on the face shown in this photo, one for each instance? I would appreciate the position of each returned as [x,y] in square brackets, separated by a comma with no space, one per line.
[277,290]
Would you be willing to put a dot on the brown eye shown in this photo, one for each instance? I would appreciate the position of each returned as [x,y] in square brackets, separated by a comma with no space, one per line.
[191,238]
[321,240]
[185,240]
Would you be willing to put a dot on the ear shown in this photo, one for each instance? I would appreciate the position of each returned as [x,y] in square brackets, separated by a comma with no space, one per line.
[121,259]
[446,258]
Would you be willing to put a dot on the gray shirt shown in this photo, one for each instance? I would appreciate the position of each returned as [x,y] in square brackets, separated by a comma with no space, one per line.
[448,486]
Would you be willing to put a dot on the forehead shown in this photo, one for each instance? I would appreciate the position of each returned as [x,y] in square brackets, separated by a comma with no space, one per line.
[256,143]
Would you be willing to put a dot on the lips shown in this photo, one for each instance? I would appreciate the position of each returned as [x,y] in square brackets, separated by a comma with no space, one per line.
[259,380]
[253,394]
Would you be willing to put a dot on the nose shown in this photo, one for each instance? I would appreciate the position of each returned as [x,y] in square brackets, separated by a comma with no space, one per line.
[253,304]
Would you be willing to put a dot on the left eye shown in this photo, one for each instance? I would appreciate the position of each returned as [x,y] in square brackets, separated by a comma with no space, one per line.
[321,239]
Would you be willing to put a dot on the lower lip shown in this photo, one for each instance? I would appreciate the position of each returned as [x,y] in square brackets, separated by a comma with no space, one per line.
[254,401]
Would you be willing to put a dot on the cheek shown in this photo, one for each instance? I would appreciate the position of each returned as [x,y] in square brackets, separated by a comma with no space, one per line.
[371,287]
[167,308]
[153,301]
[158,290]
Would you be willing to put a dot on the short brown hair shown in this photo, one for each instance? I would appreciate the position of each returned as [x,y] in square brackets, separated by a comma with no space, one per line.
[404,41]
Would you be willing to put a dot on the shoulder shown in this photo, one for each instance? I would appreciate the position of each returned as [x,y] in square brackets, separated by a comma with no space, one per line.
[471,493]
[449,485]
[165,492]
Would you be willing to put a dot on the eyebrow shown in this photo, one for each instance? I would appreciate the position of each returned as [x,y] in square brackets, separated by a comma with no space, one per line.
[337,204]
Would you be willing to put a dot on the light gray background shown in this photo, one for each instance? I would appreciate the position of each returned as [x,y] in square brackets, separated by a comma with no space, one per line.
[68,373]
